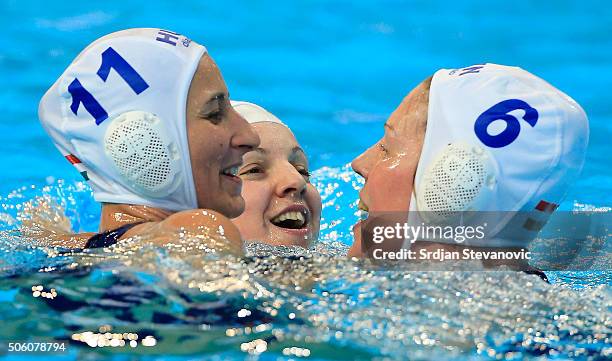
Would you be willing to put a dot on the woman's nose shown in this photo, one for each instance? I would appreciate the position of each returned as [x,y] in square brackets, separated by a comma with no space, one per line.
[290,181]
[361,164]
[244,137]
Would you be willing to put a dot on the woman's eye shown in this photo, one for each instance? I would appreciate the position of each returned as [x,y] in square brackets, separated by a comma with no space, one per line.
[254,170]
[304,172]
[215,117]
[216,114]
[383,148]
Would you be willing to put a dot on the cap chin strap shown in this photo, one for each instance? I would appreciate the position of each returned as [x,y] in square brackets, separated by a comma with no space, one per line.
[137,145]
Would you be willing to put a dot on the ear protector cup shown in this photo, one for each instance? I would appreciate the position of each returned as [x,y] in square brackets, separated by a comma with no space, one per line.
[461,178]
[137,145]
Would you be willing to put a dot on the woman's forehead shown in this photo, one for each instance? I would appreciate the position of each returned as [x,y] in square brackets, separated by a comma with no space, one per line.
[274,135]
[206,81]
[412,111]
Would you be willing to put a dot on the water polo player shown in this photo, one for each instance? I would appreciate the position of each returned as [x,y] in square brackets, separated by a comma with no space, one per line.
[144,115]
[488,138]
[282,207]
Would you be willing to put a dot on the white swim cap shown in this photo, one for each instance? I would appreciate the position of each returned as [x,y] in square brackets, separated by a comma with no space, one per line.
[499,140]
[118,113]
[253,113]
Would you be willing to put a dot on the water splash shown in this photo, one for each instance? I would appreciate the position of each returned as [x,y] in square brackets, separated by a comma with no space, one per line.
[280,301]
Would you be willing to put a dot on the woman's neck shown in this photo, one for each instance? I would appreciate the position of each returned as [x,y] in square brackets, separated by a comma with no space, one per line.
[116,215]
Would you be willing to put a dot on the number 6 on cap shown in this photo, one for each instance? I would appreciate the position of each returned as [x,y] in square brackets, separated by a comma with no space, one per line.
[500,112]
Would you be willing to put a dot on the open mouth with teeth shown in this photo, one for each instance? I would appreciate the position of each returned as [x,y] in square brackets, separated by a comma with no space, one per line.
[231,171]
[290,220]
[363,210]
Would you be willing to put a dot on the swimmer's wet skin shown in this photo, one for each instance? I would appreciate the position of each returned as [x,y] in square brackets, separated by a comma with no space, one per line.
[486,138]
[148,158]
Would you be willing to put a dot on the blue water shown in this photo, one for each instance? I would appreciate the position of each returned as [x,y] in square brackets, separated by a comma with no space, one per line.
[337,66]
[333,71]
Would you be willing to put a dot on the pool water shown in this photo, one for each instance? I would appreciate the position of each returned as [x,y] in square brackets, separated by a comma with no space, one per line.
[333,71]
[279,302]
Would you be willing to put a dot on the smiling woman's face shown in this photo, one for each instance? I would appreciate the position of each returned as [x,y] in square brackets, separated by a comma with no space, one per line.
[389,165]
[282,206]
[218,138]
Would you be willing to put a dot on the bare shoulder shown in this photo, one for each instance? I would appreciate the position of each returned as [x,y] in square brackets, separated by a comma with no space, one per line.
[202,220]
[196,222]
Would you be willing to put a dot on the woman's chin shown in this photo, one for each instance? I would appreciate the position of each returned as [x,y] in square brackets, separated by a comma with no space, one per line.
[289,237]
[233,206]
